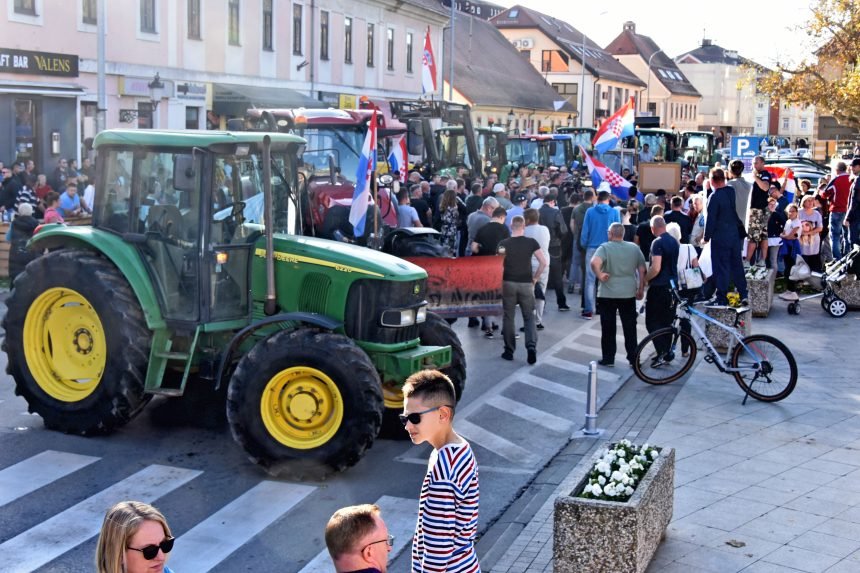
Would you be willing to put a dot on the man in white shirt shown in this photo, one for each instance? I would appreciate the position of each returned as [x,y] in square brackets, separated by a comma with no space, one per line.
[645,156]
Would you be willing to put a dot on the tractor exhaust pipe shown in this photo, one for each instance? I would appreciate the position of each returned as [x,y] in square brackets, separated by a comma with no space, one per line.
[271,306]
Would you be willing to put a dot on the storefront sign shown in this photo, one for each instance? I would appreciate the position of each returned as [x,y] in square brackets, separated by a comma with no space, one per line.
[190,91]
[347,101]
[134,86]
[38,63]
[329,98]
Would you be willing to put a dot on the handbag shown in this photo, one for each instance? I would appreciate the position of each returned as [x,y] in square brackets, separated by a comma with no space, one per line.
[692,275]
[800,271]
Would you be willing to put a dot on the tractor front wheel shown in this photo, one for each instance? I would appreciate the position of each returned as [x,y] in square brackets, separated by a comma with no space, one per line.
[305,403]
[77,343]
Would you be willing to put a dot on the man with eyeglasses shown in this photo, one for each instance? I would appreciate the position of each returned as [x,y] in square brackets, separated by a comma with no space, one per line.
[358,540]
[447,523]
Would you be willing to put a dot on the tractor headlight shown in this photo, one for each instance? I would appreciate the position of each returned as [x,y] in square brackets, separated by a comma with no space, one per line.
[421,314]
[398,317]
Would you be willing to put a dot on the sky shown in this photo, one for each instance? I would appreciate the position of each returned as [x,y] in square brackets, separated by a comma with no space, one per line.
[765,31]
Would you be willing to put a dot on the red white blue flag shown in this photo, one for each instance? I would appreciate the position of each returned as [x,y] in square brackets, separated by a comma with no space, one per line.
[619,125]
[397,158]
[366,166]
[600,173]
[428,66]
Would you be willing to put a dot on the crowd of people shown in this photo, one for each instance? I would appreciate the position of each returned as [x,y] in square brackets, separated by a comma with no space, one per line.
[29,198]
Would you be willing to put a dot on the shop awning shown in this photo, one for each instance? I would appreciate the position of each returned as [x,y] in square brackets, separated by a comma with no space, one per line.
[234,100]
[42,88]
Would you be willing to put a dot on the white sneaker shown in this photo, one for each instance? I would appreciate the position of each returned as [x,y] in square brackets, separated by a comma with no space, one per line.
[792,296]
[760,263]
[746,265]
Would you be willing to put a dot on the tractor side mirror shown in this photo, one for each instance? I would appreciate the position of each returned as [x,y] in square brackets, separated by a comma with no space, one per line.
[184,173]
[236,124]
[415,137]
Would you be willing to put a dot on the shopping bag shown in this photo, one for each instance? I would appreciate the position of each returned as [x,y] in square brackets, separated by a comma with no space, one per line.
[693,278]
[705,261]
[800,271]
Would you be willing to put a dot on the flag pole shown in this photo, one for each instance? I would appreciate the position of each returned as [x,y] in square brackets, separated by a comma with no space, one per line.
[375,194]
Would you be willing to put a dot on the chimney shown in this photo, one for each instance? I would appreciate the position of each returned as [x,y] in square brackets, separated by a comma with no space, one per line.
[630,25]
[706,42]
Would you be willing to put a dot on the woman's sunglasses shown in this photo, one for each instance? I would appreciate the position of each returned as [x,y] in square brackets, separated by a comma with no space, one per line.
[415,417]
[150,551]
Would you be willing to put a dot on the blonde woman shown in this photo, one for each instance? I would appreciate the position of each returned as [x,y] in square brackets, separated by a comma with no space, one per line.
[135,538]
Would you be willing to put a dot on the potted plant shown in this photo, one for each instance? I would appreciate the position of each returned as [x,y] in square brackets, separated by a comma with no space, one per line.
[617,514]
[760,283]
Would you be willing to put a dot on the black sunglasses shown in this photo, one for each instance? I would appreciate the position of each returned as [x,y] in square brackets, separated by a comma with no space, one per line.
[415,417]
[150,551]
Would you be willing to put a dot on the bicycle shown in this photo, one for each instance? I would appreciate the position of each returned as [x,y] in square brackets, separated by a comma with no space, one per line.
[758,359]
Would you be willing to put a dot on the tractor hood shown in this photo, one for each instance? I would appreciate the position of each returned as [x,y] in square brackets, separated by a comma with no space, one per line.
[335,256]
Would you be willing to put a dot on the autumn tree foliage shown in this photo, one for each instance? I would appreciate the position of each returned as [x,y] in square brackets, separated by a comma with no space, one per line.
[830,77]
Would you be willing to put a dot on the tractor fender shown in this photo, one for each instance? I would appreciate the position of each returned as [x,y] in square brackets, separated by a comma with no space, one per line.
[303,317]
[113,248]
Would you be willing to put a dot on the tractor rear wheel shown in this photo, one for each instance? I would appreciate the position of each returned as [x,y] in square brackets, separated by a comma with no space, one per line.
[435,331]
[304,403]
[77,343]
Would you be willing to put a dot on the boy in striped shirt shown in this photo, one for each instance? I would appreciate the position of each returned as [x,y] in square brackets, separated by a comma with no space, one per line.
[444,537]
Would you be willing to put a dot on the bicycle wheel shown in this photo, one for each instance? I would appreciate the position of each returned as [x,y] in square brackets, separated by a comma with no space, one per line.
[771,373]
[659,358]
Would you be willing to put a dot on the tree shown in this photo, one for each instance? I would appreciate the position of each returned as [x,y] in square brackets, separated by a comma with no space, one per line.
[831,79]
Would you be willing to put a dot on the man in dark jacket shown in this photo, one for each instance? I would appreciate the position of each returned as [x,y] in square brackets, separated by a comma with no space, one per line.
[853,215]
[551,218]
[723,232]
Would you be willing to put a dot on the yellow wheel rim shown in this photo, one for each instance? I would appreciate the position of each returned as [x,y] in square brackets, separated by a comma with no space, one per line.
[392,396]
[64,344]
[301,407]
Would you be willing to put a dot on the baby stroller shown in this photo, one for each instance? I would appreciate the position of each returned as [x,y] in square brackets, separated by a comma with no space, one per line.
[839,285]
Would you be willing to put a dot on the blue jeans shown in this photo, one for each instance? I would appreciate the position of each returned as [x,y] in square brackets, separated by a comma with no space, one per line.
[854,232]
[590,280]
[836,220]
[575,273]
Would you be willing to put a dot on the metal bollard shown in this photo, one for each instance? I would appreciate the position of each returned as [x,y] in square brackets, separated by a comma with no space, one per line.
[590,428]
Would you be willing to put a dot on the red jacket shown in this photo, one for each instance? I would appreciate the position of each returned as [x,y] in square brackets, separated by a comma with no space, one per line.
[838,192]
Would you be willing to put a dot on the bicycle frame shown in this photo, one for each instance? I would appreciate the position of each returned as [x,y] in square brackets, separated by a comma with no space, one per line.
[718,361]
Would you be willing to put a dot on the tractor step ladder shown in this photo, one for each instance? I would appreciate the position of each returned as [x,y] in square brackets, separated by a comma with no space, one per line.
[159,356]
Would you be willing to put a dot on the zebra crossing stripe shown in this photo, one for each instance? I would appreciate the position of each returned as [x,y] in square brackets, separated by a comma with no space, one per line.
[559,390]
[214,539]
[495,443]
[28,475]
[577,367]
[533,415]
[399,514]
[68,529]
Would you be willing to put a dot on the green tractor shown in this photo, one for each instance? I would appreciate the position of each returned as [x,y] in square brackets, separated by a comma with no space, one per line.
[194,276]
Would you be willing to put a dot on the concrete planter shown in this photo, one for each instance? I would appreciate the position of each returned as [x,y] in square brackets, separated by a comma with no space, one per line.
[594,535]
[719,337]
[761,294]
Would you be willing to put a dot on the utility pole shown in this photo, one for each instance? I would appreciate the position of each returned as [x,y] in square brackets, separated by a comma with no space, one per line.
[582,86]
[451,55]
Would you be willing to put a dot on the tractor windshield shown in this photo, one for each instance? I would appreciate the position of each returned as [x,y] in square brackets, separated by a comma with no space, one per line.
[237,195]
[341,144]
[526,151]
[452,148]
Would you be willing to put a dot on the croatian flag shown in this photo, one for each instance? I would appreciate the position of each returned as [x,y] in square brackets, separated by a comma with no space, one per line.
[600,173]
[620,124]
[428,66]
[397,158]
[366,167]
[786,178]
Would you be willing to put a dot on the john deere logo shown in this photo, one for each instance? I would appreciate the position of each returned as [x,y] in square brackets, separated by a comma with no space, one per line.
[416,288]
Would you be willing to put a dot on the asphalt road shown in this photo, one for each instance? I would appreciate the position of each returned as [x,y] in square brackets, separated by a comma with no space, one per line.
[230,516]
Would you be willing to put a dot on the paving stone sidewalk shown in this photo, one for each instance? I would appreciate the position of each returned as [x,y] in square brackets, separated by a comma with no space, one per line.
[758,487]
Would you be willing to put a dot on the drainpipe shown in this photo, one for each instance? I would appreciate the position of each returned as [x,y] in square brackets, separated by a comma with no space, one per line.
[312,54]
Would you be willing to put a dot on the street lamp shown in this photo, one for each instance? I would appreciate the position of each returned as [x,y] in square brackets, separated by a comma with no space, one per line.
[648,105]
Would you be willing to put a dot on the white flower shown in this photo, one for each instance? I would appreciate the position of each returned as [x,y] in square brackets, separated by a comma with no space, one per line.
[628,490]
[604,468]
[654,454]
[601,480]
[617,476]
[609,490]
[596,489]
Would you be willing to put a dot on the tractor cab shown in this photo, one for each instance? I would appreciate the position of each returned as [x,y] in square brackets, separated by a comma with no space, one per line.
[194,212]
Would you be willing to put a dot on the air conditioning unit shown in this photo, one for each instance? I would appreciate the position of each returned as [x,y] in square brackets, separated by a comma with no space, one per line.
[524,44]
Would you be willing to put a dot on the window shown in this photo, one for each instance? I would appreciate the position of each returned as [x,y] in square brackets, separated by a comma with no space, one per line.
[803,123]
[297,29]
[553,61]
[144,115]
[785,122]
[90,12]
[370,41]
[147,16]
[527,54]
[760,105]
[408,52]
[25,7]
[347,40]
[194,19]
[233,22]
[192,118]
[323,35]
[268,25]
[389,54]
[758,124]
